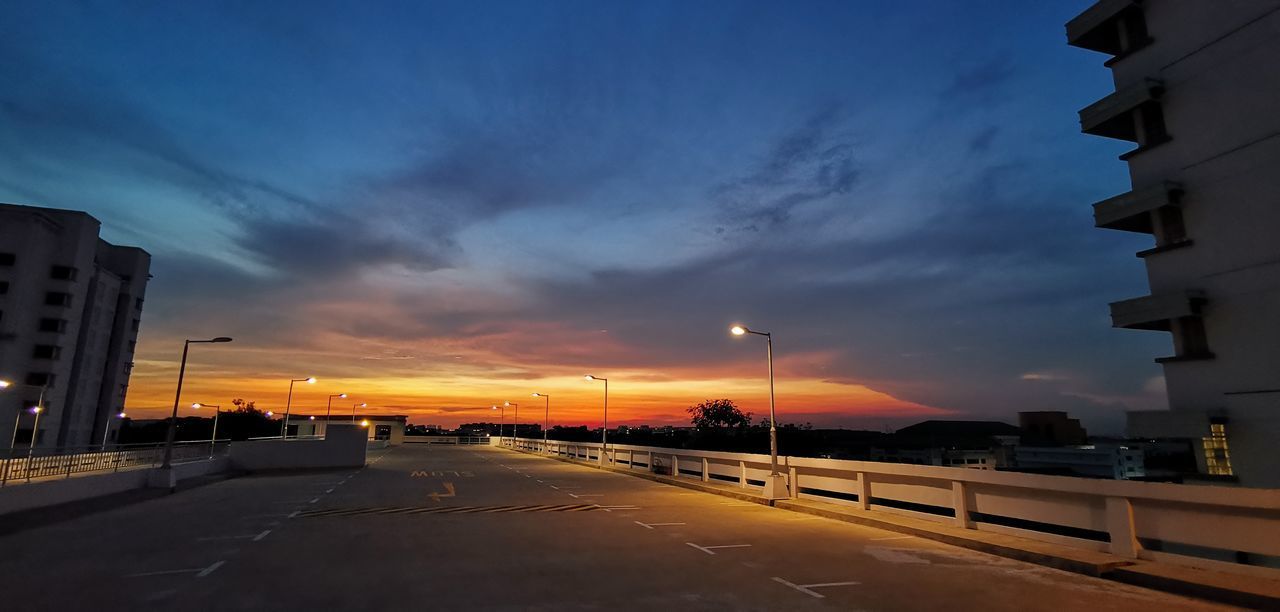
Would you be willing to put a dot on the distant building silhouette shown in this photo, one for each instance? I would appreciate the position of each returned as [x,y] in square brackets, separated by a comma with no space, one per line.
[1050,428]
[1197,90]
[70,308]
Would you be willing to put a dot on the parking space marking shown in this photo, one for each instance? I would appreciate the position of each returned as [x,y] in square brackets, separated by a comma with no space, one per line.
[710,550]
[329,490]
[652,525]
[253,536]
[807,589]
[314,500]
[586,495]
[294,513]
[258,538]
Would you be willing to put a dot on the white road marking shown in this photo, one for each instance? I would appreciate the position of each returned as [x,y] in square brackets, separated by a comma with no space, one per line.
[294,513]
[807,589]
[612,508]
[314,500]
[892,538]
[258,538]
[709,551]
[652,525]
[262,516]
[586,495]
[292,501]
[329,490]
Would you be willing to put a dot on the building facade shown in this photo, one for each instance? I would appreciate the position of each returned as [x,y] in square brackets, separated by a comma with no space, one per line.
[1196,90]
[70,309]
[1096,461]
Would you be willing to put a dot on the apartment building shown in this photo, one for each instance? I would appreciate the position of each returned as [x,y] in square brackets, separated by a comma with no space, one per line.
[1196,91]
[70,308]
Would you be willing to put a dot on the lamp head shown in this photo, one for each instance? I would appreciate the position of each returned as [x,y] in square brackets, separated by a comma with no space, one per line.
[364,405]
[342,395]
[311,380]
[221,339]
[589,377]
[4,384]
[121,415]
[537,395]
[270,413]
[364,423]
[311,418]
[738,330]
[506,403]
[197,405]
[36,409]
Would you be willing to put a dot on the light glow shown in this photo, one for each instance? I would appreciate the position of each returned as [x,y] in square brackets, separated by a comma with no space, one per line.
[738,330]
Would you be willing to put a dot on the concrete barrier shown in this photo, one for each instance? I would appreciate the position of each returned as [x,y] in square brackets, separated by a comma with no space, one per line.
[343,446]
[42,494]
[1210,527]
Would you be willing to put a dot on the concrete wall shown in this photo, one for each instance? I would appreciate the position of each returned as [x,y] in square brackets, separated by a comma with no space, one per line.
[18,497]
[342,446]
[1125,518]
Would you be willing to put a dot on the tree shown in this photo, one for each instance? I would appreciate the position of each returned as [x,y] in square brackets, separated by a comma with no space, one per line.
[718,413]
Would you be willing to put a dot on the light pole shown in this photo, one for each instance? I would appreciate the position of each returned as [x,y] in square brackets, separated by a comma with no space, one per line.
[173,419]
[545,419]
[328,409]
[775,485]
[353,410]
[604,431]
[106,429]
[288,403]
[217,410]
[515,422]
[502,421]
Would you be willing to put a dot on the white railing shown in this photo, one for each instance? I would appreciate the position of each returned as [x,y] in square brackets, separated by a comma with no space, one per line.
[446,439]
[1216,527]
[23,465]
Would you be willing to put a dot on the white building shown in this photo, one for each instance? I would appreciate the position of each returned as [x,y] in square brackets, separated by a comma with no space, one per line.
[1117,462]
[70,307]
[1197,90]
[379,426]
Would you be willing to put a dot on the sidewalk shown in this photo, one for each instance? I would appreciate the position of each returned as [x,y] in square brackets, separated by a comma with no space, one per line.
[1235,589]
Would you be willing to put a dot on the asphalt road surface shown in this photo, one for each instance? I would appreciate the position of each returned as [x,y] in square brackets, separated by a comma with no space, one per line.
[459,528]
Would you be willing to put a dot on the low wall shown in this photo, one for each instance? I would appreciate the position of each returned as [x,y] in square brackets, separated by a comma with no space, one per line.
[78,488]
[1214,527]
[343,446]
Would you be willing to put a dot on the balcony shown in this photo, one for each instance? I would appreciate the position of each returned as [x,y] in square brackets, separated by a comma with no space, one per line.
[1131,212]
[1120,115]
[1114,27]
[1156,312]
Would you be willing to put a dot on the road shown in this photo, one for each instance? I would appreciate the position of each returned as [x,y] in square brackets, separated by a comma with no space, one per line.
[456,528]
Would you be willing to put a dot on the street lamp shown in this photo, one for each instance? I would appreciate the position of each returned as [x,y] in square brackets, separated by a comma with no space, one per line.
[353,410]
[545,419]
[4,384]
[604,431]
[330,406]
[502,421]
[173,418]
[106,429]
[775,485]
[217,410]
[515,422]
[284,425]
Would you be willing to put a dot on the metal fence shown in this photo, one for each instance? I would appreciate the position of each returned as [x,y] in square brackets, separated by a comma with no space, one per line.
[446,439]
[20,464]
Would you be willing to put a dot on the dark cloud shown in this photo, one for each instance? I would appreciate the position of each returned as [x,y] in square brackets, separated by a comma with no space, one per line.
[982,79]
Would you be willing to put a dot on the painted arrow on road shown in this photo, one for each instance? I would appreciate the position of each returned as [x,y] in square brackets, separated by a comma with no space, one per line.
[448,486]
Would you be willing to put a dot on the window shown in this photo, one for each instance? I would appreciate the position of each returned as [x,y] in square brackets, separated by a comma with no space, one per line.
[55,326]
[40,379]
[7,259]
[1169,225]
[46,351]
[1217,455]
[62,273]
[57,298]
[4,287]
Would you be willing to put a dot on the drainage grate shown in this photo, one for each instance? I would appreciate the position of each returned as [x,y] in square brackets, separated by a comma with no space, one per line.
[447,510]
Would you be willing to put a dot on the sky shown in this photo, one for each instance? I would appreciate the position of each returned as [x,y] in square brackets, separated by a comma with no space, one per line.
[435,207]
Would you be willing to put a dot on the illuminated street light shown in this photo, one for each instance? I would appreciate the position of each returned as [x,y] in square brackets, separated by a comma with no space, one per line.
[284,425]
[177,397]
[545,419]
[775,485]
[604,431]
[353,410]
[217,410]
[502,420]
[515,422]
[4,384]
[329,408]
[107,429]
[364,422]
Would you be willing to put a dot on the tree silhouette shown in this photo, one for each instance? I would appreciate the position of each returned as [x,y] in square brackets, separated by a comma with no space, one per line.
[718,413]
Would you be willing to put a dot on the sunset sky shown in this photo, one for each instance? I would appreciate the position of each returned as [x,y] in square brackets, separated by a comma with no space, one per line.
[435,207]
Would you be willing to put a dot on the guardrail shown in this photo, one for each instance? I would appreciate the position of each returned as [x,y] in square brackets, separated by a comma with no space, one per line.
[1214,527]
[447,439]
[25,464]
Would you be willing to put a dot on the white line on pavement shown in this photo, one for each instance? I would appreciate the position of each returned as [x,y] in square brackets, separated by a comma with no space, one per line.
[294,513]
[709,549]
[262,516]
[652,525]
[807,589]
[892,538]
[314,500]
[329,490]
[586,495]
[258,538]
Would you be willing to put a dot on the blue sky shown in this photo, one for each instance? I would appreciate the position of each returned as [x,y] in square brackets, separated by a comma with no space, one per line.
[899,190]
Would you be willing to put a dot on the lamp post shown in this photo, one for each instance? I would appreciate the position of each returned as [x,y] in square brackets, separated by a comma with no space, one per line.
[327,410]
[353,410]
[217,410]
[288,403]
[775,485]
[173,419]
[545,419]
[502,421]
[106,429]
[515,422]
[604,431]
